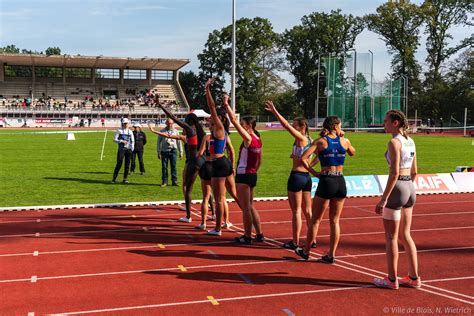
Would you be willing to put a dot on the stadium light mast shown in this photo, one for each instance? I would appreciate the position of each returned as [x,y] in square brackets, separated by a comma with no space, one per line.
[234,13]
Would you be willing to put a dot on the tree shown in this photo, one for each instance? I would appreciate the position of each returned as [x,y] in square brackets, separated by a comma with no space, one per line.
[10,49]
[255,56]
[319,35]
[53,51]
[193,89]
[398,23]
[440,16]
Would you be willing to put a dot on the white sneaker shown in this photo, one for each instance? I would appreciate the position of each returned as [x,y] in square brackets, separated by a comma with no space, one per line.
[185,220]
[201,226]
[214,232]
[226,225]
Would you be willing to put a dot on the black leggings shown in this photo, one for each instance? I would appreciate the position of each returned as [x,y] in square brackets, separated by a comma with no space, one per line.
[140,161]
[121,154]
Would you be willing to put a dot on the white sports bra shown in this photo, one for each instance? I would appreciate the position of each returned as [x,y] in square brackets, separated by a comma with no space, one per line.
[407,152]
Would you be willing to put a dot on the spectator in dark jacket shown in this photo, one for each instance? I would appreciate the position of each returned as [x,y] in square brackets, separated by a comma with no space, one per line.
[140,141]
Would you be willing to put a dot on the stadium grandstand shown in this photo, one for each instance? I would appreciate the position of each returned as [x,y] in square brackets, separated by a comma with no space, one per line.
[58,88]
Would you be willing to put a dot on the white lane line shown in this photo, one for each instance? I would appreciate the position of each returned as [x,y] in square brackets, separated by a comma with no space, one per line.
[449,279]
[33,279]
[35,253]
[36,235]
[87,219]
[115,248]
[227,299]
[150,270]
[370,272]
[31,314]
[288,312]
[382,232]
[86,232]
[419,251]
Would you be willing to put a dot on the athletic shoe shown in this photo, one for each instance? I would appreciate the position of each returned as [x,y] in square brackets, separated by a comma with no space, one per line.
[213,217]
[125,181]
[300,252]
[290,245]
[259,238]
[201,226]
[226,225]
[113,182]
[327,259]
[185,220]
[314,245]
[175,184]
[142,173]
[214,232]
[164,185]
[243,240]
[386,283]
[409,282]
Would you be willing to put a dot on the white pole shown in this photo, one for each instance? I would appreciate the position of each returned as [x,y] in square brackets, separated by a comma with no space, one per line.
[465,120]
[416,118]
[316,110]
[234,13]
[103,145]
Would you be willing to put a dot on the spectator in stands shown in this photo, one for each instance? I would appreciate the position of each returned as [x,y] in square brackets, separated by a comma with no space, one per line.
[124,139]
[89,120]
[169,149]
[102,120]
[140,142]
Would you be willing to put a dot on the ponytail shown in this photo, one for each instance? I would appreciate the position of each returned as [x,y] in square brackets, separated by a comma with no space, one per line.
[329,125]
[397,115]
[250,120]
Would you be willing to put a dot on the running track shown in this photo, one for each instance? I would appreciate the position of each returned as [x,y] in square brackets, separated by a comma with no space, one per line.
[140,261]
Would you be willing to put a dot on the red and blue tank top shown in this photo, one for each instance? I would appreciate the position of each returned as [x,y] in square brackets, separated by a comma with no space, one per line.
[250,157]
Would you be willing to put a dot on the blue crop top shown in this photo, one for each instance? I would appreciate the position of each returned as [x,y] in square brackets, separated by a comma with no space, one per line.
[217,146]
[334,154]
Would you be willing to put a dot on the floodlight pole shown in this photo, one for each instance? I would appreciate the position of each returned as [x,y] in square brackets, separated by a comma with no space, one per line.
[405,92]
[356,101]
[372,109]
[316,110]
[234,12]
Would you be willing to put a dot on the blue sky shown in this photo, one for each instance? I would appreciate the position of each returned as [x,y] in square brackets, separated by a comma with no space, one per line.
[163,28]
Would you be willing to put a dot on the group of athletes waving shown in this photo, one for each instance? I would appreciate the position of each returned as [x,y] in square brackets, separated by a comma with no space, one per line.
[206,157]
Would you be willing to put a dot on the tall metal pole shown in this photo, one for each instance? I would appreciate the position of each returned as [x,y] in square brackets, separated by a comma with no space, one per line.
[465,120]
[234,12]
[372,110]
[316,110]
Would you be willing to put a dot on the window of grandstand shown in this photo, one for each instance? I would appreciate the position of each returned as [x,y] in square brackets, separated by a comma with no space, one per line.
[108,73]
[134,74]
[78,72]
[49,72]
[18,71]
[161,75]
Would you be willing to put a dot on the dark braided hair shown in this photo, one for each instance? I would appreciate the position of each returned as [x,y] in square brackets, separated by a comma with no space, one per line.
[397,115]
[329,125]
[192,120]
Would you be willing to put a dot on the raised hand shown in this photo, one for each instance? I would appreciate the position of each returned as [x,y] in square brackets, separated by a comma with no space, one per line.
[269,106]
[210,81]
[225,98]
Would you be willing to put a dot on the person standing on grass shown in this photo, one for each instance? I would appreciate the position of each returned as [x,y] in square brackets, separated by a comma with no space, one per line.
[140,142]
[124,138]
[398,199]
[331,192]
[221,165]
[168,150]
[250,160]
[299,183]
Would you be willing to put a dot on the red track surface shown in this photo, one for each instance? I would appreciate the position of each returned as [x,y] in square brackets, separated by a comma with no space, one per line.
[140,261]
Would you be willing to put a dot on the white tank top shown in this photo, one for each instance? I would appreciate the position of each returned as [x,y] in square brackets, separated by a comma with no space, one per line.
[407,152]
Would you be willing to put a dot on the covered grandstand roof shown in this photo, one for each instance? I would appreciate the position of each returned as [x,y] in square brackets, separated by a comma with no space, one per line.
[93,61]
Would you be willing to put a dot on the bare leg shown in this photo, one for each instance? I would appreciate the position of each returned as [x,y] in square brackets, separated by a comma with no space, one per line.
[306,208]
[319,207]
[206,195]
[408,243]
[218,189]
[391,247]
[243,194]
[255,215]
[190,176]
[335,210]
[295,200]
